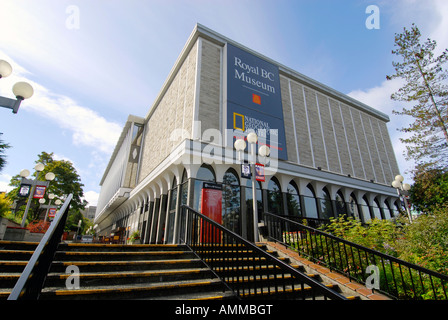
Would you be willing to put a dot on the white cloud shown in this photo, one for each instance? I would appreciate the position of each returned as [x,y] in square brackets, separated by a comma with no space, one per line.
[88,128]
[91,197]
[4,183]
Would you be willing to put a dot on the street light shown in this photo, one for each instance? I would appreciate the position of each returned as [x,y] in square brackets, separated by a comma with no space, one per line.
[22,90]
[263,151]
[401,187]
[50,197]
[24,174]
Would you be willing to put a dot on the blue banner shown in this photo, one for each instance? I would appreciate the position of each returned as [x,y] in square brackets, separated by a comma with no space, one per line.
[254,99]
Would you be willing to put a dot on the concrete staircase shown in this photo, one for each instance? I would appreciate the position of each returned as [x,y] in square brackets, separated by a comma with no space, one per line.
[151,272]
[130,272]
[14,256]
[244,273]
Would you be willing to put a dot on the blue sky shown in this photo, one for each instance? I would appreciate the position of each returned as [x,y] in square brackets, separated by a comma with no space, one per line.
[94,62]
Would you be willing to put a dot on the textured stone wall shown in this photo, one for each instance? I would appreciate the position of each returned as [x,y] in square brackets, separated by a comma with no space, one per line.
[335,136]
[210,86]
[171,119]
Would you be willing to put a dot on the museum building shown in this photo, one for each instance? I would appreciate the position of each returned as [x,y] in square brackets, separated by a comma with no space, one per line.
[328,153]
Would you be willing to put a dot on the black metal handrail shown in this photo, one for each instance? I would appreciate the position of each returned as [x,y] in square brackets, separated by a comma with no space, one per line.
[253,274]
[396,278]
[30,283]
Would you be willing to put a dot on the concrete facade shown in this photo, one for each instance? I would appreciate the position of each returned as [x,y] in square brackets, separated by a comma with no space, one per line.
[339,153]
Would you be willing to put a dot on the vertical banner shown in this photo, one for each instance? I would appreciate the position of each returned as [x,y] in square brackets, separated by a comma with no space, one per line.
[211,206]
[254,101]
[245,171]
[39,192]
[259,172]
[52,212]
[25,190]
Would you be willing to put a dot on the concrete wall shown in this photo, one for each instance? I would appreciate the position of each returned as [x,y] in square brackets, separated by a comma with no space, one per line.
[170,119]
[322,130]
[341,138]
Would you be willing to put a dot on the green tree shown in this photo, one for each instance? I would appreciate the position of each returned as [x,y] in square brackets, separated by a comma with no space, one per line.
[3,147]
[73,219]
[425,86]
[430,189]
[5,205]
[66,181]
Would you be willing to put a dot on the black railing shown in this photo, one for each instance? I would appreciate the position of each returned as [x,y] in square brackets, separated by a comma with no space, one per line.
[246,268]
[394,277]
[30,283]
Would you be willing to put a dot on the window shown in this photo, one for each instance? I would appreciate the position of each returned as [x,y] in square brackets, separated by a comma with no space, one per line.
[274,197]
[376,209]
[205,173]
[184,188]
[354,209]
[172,212]
[325,205]
[310,202]
[388,214]
[293,200]
[340,204]
[231,202]
[365,209]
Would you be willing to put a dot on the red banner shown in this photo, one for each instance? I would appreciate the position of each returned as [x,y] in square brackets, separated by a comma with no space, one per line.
[259,172]
[52,212]
[39,192]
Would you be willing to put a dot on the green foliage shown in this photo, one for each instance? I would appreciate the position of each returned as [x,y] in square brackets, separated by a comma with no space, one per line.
[425,241]
[134,236]
[430,189]
[66,181]
[5,205]
[73,219]
[378,234]
[3,147]
[425,86]
[5,209]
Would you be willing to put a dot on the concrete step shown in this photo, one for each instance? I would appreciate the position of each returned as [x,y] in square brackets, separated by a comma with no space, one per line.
[191,289]
[121,255]
[88,280]
[120,265]
[14,256]
[18,245]
[99,247]
[130,272]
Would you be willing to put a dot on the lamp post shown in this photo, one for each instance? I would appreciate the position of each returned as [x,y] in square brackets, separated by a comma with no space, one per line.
[263,151]
[25,173]
[50,197]
[22,90]
[401,187]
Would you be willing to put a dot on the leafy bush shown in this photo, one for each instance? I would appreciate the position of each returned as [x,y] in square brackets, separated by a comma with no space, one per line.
[378,234]
[425,241]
